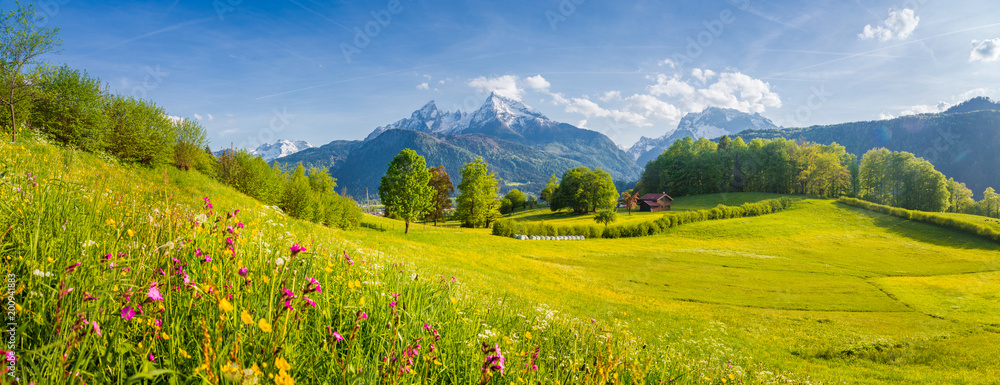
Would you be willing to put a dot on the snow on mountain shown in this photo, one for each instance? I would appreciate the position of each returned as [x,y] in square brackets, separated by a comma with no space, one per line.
[496,111]
[280,148]
[427,119]
[711,123]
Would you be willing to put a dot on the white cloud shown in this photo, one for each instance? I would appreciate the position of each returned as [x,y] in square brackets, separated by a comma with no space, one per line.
[668,63]
[940,106]
[537,83]
[900,25]
[886,116]
[582,124]
[423,86]
[985,50]
[197,117]
[505,86]
[651,107]
[703,75]
[611,95]
[175,119]
[210,117]
[731,90]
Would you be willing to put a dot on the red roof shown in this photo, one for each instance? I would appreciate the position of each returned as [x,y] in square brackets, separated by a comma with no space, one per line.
[655,197]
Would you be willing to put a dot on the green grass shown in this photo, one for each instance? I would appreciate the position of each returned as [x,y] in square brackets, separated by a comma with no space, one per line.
[820,293]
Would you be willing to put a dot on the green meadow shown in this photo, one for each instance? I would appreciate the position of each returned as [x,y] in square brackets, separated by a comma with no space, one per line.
[819,293]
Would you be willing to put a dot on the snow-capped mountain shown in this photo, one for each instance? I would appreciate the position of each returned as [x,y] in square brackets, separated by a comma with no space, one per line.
[498,116]
[280,148]
[711,123]
[428,119]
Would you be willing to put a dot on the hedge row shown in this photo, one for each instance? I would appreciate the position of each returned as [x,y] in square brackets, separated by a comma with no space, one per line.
[509,228]
[981,230]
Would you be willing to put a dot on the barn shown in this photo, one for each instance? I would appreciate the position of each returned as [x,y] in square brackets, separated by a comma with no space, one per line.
[655,202]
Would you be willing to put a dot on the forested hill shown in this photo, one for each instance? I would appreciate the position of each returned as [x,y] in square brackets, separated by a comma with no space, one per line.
[960,145]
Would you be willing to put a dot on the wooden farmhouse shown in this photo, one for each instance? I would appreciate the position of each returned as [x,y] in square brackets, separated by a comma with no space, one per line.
[655,202]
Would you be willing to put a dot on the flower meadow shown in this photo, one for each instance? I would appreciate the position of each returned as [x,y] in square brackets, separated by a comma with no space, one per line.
[123,274]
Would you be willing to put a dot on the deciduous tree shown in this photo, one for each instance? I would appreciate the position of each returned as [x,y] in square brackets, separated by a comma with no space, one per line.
[404,190]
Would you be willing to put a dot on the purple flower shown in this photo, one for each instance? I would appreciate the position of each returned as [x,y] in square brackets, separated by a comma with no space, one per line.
[392,304]
[288,305]
[348,258]
[229,241]
[288,293]
[314,286]
[72,268]
[154,292]
[243,271]
[363,315]
[310,302]
[208,204]
[152,357]
[337,336]
[296,249]
[128,312]
[97,328]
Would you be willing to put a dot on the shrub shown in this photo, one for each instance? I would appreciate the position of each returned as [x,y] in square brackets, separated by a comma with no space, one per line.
[926,217]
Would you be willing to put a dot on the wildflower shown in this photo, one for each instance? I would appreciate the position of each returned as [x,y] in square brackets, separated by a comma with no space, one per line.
[10,356]
[208,203]
[154,292]
[394,295]
[287,293]
[494,359]
[229,241]
[280,261]
[96,328]
[296,249]
[231,371]
[131,233]
[362,315]
[392,304]
[288,305]
[246,318]
[282,364]
[338,337]
[310,302]
[313,286]
[88,297]
[243,271]
[72,268]
[348,259]
[152,357]
[264,325]
[225,306]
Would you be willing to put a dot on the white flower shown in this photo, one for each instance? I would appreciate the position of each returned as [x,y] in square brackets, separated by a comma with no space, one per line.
[280,261]
[41,273]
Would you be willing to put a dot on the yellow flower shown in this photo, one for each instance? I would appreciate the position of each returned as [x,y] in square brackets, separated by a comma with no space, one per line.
[110,222]
[527,335]
[283,379]
[266,279]
[131,233]
[264,325]
[184,353]
[362,302]
[282,364]
[166,336]
[225,306]
[50,260]
[246,318]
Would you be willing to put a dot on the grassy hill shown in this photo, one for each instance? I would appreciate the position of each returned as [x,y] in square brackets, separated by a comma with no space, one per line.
[820,293]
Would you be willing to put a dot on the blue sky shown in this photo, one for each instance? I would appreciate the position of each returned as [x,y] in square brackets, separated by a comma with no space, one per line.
[297,69]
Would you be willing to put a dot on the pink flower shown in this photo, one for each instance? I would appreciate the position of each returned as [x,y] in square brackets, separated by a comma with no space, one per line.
[229,241]
[243,271]
[310,302]
[363,315]
[392,304]
[88,297]
[288,293]
[72,268]
[348,258]
[128,312]
[11,357]
[314,286]
[394,295]
[296,249]
[154,292]
[337,336]
[97,328]
[288,305]
[152,357]
[208,204]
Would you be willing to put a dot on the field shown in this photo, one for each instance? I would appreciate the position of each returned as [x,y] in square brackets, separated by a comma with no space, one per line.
[823,290]
[819,293]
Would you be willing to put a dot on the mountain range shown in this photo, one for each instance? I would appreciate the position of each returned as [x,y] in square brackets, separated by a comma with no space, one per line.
[519,143]
[279,149]
[711,123]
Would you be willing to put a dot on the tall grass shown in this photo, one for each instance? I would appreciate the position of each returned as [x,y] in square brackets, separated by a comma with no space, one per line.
[122,275]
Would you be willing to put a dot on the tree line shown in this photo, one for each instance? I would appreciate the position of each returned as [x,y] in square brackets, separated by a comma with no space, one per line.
[899,179]
[70,107]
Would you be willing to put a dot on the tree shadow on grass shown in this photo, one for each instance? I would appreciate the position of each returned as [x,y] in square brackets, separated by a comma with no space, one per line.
[928,233]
